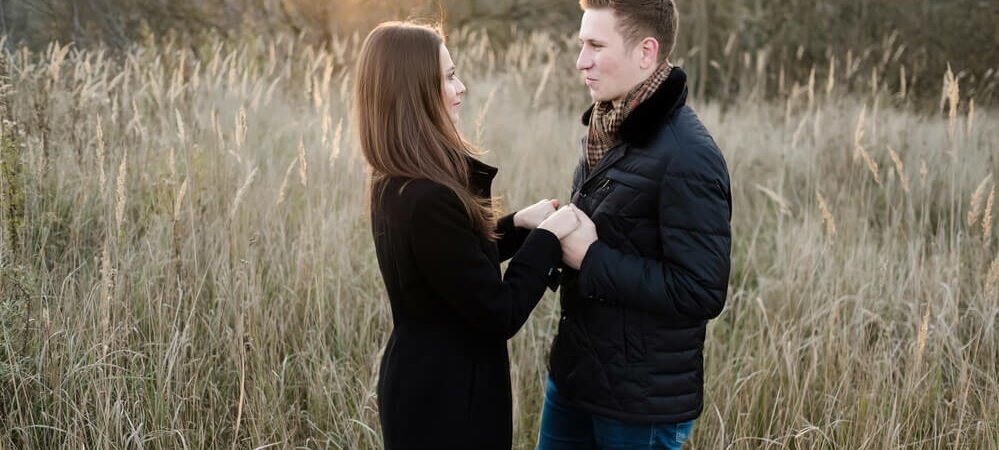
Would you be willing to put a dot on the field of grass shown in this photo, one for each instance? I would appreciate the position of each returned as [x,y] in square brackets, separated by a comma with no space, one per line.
[186,260]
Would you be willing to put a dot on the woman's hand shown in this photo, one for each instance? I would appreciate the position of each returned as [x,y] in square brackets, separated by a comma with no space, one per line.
[533,215]
[561,222]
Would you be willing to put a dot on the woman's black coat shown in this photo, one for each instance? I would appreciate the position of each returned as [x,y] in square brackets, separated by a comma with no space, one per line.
[445,377]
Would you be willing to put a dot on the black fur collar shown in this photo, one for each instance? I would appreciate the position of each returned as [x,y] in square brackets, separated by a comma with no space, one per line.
[646,120]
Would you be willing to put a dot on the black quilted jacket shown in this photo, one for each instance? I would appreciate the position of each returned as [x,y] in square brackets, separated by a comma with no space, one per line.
[631,336]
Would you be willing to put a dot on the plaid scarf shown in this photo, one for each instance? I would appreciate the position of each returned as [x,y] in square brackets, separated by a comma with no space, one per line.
[607,118]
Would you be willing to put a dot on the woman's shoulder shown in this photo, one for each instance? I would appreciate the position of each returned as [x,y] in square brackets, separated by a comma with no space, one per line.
[418,193]
[420,206]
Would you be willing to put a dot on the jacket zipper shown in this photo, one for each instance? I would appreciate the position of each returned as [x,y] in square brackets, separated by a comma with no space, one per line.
[607,182]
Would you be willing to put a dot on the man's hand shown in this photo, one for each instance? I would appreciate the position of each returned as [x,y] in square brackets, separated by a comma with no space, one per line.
[576,244]
[532,216]
[561,222]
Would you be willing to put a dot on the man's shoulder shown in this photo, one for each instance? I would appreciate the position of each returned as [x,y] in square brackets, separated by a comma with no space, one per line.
[685,128]
[690,148]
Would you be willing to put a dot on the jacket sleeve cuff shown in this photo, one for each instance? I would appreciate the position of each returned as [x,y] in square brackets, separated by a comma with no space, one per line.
[505,224]
[511,237]
[590,270]
[550,251]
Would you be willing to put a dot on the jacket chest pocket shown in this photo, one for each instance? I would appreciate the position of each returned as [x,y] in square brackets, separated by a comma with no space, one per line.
[593,195]
[619,193]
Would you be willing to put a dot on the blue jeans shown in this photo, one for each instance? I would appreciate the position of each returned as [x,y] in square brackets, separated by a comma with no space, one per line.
[564,427]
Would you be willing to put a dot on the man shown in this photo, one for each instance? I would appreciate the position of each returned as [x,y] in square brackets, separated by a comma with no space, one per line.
[626,368]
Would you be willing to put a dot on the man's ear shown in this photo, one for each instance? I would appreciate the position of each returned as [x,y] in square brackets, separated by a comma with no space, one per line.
[650,52]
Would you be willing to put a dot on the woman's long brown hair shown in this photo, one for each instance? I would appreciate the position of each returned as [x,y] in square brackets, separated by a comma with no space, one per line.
[404,128]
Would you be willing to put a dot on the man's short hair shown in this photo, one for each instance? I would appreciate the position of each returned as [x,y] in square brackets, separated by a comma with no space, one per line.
[638,19]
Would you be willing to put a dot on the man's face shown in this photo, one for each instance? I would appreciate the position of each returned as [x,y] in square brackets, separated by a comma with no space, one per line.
[610,68]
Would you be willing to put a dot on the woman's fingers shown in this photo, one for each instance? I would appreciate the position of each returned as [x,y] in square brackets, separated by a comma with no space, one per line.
[561,223]
[533,215]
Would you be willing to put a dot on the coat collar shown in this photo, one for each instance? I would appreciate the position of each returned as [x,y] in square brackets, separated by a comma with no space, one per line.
[480,176]
[648,117]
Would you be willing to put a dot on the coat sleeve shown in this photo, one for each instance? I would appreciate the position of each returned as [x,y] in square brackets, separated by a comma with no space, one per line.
[691,280]
[510,237]
[450,257]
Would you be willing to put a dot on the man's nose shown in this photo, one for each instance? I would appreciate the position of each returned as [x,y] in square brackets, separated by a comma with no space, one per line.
[584,61]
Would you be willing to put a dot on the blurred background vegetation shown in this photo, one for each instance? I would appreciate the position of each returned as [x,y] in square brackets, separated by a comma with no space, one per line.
[186,261]
[906,43]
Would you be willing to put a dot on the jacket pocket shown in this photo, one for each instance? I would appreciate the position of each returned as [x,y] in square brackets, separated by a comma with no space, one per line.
[563,355]
[635,196]
[574,366]
[634,337]
[594,196]
[471,391]
[632,180]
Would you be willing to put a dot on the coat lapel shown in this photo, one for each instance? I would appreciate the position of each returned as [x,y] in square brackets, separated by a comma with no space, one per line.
[480,181]
[480,177]
[613,155]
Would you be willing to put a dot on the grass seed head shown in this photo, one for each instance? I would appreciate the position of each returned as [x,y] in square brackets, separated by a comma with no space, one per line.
[899,169]
[303,174]
[827,217]
[987,217]
[121,196]
[976,201]
[240,193]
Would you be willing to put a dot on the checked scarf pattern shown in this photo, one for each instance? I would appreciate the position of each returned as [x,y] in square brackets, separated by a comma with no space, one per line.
[607,117]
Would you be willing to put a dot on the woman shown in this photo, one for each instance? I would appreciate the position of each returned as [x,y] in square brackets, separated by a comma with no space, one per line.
[444,379]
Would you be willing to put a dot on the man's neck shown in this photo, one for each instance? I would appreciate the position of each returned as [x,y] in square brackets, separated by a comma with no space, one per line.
[645,75]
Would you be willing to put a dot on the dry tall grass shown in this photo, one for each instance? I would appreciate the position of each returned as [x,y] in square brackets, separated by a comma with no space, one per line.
[223,292]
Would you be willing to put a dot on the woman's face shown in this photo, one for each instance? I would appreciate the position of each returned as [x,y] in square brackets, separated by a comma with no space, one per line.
[452,87]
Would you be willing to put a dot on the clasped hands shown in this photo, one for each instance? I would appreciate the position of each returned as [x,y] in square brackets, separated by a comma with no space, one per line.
[574,229]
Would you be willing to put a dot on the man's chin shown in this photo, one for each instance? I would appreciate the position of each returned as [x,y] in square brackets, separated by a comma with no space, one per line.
[598,96]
